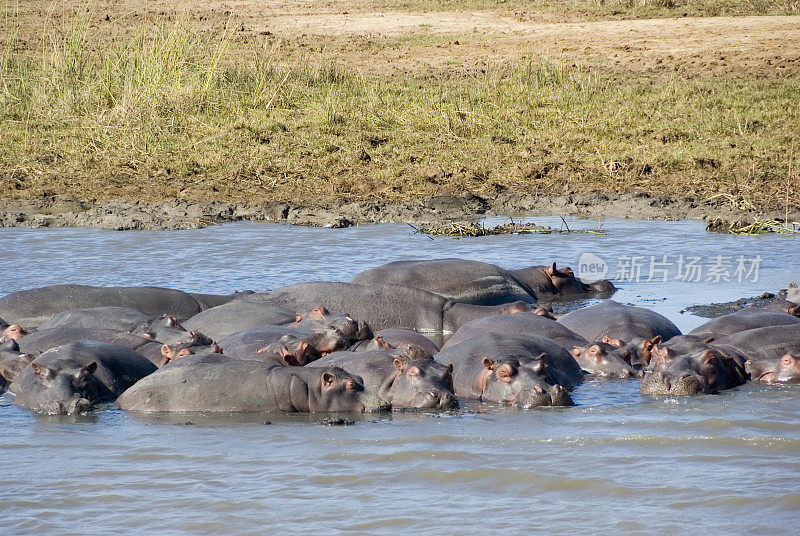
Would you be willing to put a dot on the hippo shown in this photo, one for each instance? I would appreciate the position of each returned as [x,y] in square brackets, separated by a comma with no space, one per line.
[770,342]
[289,350]
[394,338]
[380,306]
[784,306]
[250,343]
[198,343]
[75,377]
[743,320]
[14,332]
[523,371]
[550,282]
[215,383]
[12,361]
[514,324]
[320,318]
[41,341]
[459,280]
[785,369]
[238,315]
[404,383]
[115,318]
[603,360]
[32,308]
[632,330]
[687,366]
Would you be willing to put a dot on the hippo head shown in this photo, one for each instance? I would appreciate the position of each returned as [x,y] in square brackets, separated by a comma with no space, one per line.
[328,340]
[59,391]
[291,351]
[167,330]
[604,359]
[708,371]
[420,384]
[197,343]
[516,383]
[784,370]
[14,332]
[565,283]
[320,317]
[338,391]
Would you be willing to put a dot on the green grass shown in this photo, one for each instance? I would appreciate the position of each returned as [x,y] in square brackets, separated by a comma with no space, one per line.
[162,114]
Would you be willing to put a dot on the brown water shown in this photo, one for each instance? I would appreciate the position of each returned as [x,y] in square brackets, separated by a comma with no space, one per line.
[616,463]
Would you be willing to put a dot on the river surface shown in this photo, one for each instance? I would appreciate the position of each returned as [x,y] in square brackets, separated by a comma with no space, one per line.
[617,463]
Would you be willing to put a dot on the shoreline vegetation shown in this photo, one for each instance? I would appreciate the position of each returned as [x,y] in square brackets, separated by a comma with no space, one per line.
[153,112]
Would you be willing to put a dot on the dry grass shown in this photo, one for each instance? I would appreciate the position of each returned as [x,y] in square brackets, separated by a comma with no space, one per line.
[164,114]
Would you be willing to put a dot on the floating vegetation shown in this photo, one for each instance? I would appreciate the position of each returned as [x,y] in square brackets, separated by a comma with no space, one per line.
[757,227]
[473,229]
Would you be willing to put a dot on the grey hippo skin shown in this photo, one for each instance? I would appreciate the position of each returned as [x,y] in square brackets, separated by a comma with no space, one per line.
[480,283]
[686,366]
[75,377]
[32,308]
[214,383]
[238,315]
[115,318]
[770,342]
[522,371]
[380,306]
[416,383]
[514,324]
[619,331]
[742,320]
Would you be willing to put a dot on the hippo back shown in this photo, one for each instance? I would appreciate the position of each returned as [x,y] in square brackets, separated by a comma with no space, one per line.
[612,319]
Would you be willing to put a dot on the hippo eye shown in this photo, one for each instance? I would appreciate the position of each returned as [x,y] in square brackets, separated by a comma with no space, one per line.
[413,371]
[787,360]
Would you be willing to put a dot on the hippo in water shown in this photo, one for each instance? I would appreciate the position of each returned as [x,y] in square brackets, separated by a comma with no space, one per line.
[214,383]
[32,308]
[419,383]
[515,324]
[524,371]
[687,366]
[785,369]
[743,320]
[249,344]
[238,315]
[73,378]
[480,283]
[319,318]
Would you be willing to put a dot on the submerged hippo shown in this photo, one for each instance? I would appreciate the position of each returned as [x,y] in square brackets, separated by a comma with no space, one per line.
[32,308]
[743,320]
[73,378]
[319,318]
[785,369]
[517,324]
[687,366]
[214,383]
[523,371]
[404,383]
[238,315]
[550,282]
[249,344]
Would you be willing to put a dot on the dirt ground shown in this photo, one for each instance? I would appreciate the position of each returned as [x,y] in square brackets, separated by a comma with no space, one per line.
[374,40]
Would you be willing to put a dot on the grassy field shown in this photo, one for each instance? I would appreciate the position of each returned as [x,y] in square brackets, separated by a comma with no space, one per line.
[168,111]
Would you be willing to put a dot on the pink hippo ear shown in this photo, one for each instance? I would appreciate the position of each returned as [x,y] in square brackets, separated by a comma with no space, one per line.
[488,363]
[788,361]
[551,270]
[595,353]
[166,351]
[298,317]
[577,351]
[617,343]
[398,365]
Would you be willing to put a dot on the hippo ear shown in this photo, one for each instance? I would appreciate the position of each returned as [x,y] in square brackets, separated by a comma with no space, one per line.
[318,312]
[488,363]
[708,357]
[617,343]
[552,269]
[41,370]
[577,351]
[166,351]
[656,340]
[171,321]
[398,364]
[328,379]
[298,317]
[302,347]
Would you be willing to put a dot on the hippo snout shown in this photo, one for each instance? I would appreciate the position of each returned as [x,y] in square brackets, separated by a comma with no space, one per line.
[75,406]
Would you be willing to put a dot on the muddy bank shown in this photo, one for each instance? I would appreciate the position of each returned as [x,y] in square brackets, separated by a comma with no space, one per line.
[68,211]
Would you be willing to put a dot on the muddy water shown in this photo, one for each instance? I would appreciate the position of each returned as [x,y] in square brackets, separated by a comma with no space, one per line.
[616,463]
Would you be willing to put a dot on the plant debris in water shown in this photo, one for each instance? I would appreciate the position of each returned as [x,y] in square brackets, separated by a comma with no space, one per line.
[472,229]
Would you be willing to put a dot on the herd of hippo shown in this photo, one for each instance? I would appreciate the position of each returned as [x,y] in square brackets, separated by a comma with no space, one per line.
[367,345]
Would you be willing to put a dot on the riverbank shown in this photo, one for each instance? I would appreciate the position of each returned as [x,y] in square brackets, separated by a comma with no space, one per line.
[69,211]
[361,111]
